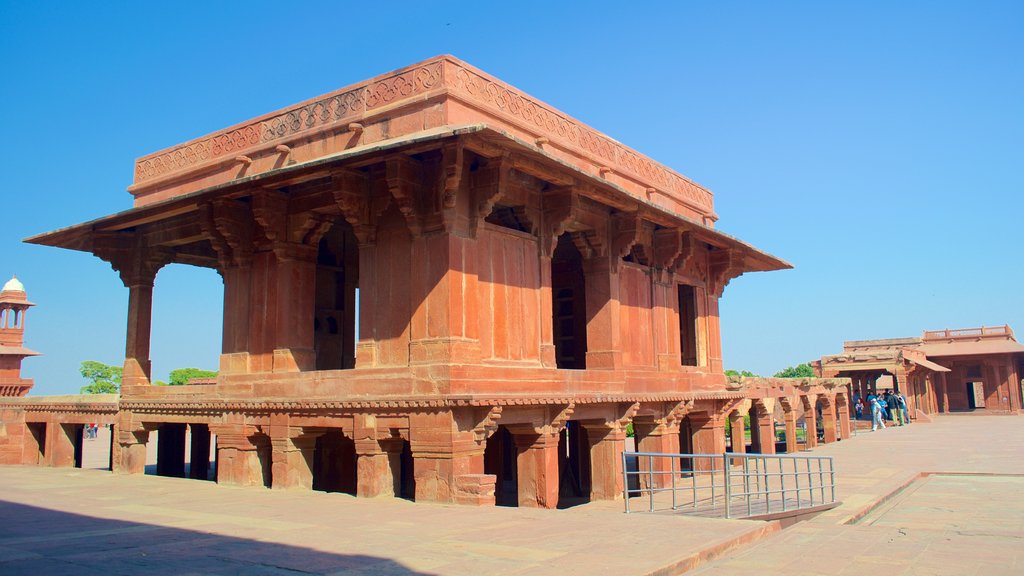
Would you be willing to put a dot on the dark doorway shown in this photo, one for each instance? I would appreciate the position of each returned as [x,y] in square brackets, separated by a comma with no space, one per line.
[199,452]
[406,473]
[170,450]
[500,459]
[337,277]
[334,463]
[688,325]
[568,305]
[686,443]
[574,480]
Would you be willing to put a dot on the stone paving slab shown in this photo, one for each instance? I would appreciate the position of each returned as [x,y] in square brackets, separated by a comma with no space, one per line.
[62,521]
[928,499]
[66,521]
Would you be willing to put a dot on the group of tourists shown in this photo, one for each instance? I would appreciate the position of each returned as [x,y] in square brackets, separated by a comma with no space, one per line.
[889,406]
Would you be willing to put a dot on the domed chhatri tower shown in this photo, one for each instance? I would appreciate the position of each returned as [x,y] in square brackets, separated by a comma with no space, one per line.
[13,305]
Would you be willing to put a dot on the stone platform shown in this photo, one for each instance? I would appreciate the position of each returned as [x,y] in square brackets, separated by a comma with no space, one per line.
[67,521]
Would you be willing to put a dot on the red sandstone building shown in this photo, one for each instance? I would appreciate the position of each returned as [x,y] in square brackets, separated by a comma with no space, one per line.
[526,287]
[942,371]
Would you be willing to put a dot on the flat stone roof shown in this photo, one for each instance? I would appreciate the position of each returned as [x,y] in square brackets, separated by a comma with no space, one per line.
[431,94]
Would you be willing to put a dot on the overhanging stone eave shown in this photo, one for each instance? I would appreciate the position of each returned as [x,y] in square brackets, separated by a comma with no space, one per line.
[77,236]
[755,260]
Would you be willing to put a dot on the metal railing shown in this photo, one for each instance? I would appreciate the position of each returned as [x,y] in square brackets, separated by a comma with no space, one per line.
[733,485]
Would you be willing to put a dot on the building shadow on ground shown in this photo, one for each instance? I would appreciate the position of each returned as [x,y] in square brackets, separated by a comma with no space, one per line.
[37,541]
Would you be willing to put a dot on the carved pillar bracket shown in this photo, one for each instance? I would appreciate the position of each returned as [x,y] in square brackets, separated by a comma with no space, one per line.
[351,191]
[452,163]
[725,265]
[130,257]
[560,207]
[627,227]
[404,177]
[490,184]
[270,212]
[228,224]
[486,422]
[668,245]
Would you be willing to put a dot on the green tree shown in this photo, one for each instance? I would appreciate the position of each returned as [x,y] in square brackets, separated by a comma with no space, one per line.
[181,376]
[742,373]
[798,371]
[103,378]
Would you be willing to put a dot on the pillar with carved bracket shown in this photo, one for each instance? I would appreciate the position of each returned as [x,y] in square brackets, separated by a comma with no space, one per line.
[810,402]
[238,462]
[737,430]
[660,436]
[130,449]
[764,414]
[607,442]
[828,417]
[137,264]
[292,457]
[537,465]
[374,472]
[790,414]
[448,463]
[708,438]
[844,416]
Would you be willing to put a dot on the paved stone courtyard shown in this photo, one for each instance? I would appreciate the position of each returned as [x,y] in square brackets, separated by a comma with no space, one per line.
[967,520]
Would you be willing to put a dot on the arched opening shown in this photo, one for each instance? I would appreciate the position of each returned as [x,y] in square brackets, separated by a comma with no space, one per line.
[500,460]
[337,279]
[334,463]
[568,305]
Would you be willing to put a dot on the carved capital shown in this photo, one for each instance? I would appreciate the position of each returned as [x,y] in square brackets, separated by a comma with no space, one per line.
[404,177]
[560,207]
[127,254]
[228,225]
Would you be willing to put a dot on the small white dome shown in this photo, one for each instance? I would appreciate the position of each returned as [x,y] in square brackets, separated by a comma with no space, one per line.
[14,284]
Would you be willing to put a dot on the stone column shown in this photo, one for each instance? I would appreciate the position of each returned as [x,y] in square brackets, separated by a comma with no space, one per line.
[292,457]
[295,279]
[130,456]
[238,462]
[828,417]
[140,318]
[376,474]
[790,417]
[738,433]
[657,437]
[708,438]
[537,463]
[811,419]
[607,442]
[765,414]
[844,420]
[604,348]
[234,357]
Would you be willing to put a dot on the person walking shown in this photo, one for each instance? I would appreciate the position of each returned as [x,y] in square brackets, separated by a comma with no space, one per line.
[904,409]
[876,414]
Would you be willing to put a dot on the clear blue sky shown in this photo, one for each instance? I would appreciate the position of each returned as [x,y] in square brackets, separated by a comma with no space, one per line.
[875,145]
